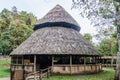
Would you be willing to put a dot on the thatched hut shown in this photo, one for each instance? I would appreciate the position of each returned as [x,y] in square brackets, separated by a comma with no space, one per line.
[56,42]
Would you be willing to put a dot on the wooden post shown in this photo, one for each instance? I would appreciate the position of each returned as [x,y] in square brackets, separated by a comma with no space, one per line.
[34,66]
[34,63]
[11,75]
[40,75]
[112,61]
[22,60]
[101,63]
[24,75]
[52,62]
[71,64]
[91,62]
[84,63]
[97,60]
[48,73]
[96,64]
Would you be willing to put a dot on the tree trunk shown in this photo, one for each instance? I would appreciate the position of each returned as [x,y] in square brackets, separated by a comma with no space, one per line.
[117,75]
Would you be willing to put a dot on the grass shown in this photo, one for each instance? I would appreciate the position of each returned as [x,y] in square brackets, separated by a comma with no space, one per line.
[4,71]
[107,74]
[4,68]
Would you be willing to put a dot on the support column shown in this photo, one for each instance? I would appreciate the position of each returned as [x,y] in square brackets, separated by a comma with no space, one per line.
[101,63]
[23,67]
[34,63]
[71,64]
[95,64]
[34,66]
[52,62]
[11,75]
[22,60]
[84,63]
[112,61]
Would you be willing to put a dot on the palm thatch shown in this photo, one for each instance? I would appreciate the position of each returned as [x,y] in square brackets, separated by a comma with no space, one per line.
[56,40]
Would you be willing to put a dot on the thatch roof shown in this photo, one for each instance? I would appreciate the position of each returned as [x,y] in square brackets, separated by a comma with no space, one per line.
[56,40]
[57,17]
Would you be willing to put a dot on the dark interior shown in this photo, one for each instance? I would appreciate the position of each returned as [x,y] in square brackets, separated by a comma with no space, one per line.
[44,61]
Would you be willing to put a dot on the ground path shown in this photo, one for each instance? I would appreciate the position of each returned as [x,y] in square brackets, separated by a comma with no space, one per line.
[5,78]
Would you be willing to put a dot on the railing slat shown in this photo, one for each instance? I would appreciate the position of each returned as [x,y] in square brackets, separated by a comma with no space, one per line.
[42,73]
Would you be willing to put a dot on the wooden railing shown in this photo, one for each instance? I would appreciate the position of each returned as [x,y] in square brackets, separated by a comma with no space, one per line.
[39,74]
[109,65]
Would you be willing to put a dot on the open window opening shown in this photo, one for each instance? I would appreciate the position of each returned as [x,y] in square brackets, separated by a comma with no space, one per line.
[16,60]
[61,59]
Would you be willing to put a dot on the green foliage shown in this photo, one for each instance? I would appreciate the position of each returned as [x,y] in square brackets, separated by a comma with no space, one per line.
[102,14]
[108,47]
[15,27]
[88,36]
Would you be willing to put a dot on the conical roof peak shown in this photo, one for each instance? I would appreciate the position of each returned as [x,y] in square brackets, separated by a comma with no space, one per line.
[57,16]
[58,6]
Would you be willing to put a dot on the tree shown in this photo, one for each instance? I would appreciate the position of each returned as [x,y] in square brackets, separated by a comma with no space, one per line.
[88,37]
[107,47]
[117,6]
[15,27]
[101,13]
[14,9]
[105,10]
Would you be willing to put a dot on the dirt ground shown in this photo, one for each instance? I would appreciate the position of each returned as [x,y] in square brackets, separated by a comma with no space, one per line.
[5,78]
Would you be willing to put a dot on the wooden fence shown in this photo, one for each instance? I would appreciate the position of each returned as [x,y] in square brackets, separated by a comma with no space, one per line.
[39,74]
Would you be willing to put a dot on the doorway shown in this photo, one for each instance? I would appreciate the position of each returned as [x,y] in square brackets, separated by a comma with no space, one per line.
[43,61]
